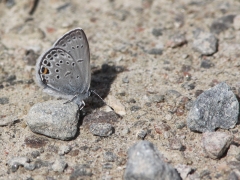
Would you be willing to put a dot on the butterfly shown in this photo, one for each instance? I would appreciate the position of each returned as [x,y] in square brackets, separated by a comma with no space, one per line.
[64,70]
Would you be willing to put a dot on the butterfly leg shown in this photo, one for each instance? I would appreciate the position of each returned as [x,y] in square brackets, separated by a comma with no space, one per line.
[82,105]
[71,100]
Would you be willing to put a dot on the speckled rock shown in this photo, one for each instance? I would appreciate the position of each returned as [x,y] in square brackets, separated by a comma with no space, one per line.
[217,107]
[145,162]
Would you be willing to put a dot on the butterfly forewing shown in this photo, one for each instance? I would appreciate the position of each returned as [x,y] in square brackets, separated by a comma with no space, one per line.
[76,45]
[59,71]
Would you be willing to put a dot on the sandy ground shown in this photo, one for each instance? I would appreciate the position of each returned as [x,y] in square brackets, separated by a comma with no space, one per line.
[120,35]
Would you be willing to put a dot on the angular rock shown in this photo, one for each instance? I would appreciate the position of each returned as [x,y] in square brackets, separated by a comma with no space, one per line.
[205,43]
[217,107]
[145,162]
[55,119]
[215,144]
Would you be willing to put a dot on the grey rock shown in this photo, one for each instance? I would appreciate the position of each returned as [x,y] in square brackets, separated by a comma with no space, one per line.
[145,162]
[101,129]
[215,144]
[155,51]
[157,32]
[125,79]
[177,40]
[4,100]
[221,24]
[107,166]
[217,107]
[35,154]
[206,64]
[59,165]
[54,119]
[64,149]
[15,162]
[135,108]
[233,176]
[29,167]
[141,134]
[80,172]
[205,43]
[171,95]
[109,156]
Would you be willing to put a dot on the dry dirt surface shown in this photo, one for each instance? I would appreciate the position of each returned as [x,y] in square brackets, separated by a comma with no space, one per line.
[157,74]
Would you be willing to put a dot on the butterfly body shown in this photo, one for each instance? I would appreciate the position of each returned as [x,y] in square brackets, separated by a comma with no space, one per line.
[64,70]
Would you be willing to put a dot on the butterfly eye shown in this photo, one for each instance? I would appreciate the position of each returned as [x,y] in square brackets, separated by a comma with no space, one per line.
[73,64]
[49,56]
[73,47]
[57,76]
[56,70]
[77,46]
[60,61]
[67,63]
[57,64]
[45,62]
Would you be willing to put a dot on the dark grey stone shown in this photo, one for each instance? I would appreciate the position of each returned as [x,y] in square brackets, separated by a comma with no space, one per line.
[80,172]
[35,154]
[107,166]
[101,129]
[222,24]
[156,51]
[109,156]
[145,163]
[4,100]
[135,108]
[55,119]
[206,64]
[217,107]
[157,32]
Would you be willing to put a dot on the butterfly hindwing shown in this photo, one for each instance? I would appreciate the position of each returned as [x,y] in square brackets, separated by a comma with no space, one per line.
[75,43]
[59,71]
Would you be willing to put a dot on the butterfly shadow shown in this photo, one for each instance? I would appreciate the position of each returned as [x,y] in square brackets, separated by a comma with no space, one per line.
[101,83]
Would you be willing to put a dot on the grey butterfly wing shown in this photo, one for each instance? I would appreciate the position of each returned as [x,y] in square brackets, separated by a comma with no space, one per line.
[58,73]
[75,43]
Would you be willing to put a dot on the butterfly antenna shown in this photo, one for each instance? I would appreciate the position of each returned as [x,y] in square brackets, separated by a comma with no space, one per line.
[92,91]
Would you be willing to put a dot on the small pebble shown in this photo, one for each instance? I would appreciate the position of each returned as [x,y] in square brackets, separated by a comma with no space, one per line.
[59,165]
[157,32]
[109,156]
[215,144]
[205,43]
[141,134]
[81,171]
[101,129]
[177,40]
[35,154]
[64,149]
